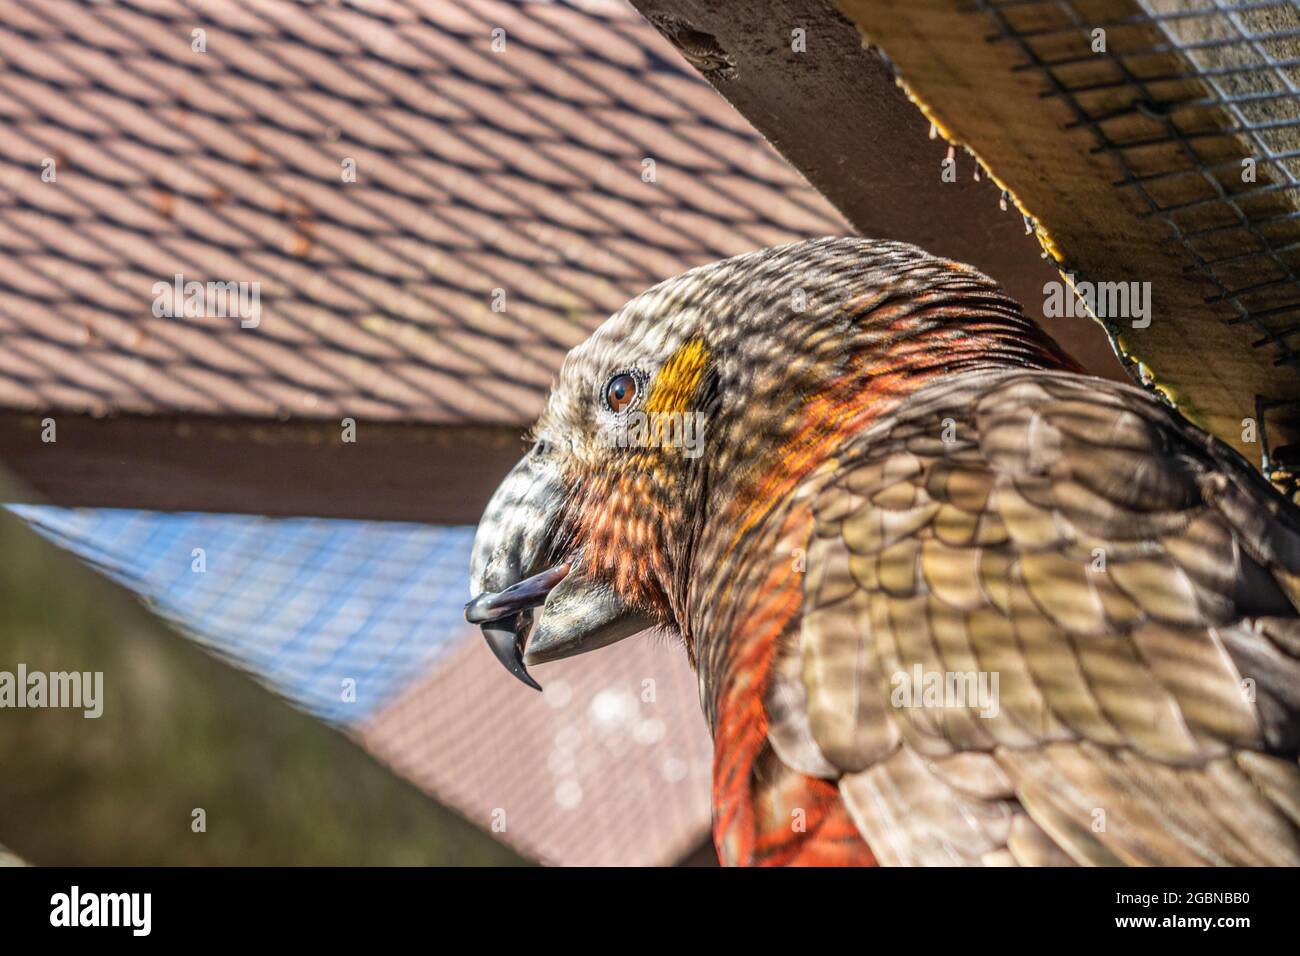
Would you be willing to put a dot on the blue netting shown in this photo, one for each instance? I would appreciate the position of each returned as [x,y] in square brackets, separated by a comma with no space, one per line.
[305,604]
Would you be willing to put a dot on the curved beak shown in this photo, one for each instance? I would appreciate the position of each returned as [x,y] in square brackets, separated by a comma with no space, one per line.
[505,619]
[531,606]
[505,638]
[520,596]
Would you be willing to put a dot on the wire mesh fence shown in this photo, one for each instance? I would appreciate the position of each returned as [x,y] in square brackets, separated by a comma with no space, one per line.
[385,174]
[1197,104]
[338,616]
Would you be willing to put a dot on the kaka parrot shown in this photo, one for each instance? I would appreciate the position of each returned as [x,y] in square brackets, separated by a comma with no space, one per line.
[950,600]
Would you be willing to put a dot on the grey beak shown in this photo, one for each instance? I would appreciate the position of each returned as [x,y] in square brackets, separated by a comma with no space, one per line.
[505,622]
[506,639]
[580,617]
[521,596]
[534,605]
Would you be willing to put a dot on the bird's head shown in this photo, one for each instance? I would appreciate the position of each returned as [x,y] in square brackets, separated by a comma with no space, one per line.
[691,410]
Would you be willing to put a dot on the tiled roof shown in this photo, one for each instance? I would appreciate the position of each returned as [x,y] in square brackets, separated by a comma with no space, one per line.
[476,170]
[609,766]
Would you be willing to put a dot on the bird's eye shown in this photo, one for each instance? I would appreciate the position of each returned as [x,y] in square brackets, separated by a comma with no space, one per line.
[620,391]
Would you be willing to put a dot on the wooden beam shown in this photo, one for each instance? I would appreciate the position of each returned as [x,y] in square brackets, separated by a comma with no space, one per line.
[435,474]
[1216,340]
[837,114]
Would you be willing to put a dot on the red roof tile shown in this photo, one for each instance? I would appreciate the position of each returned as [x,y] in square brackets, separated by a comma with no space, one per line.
[476,170]
[609,766]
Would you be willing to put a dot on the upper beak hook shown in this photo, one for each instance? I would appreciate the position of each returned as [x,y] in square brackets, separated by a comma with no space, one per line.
[506,639]
[505,620]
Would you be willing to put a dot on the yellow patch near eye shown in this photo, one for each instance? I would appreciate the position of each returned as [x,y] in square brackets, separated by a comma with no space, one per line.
[675,386]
